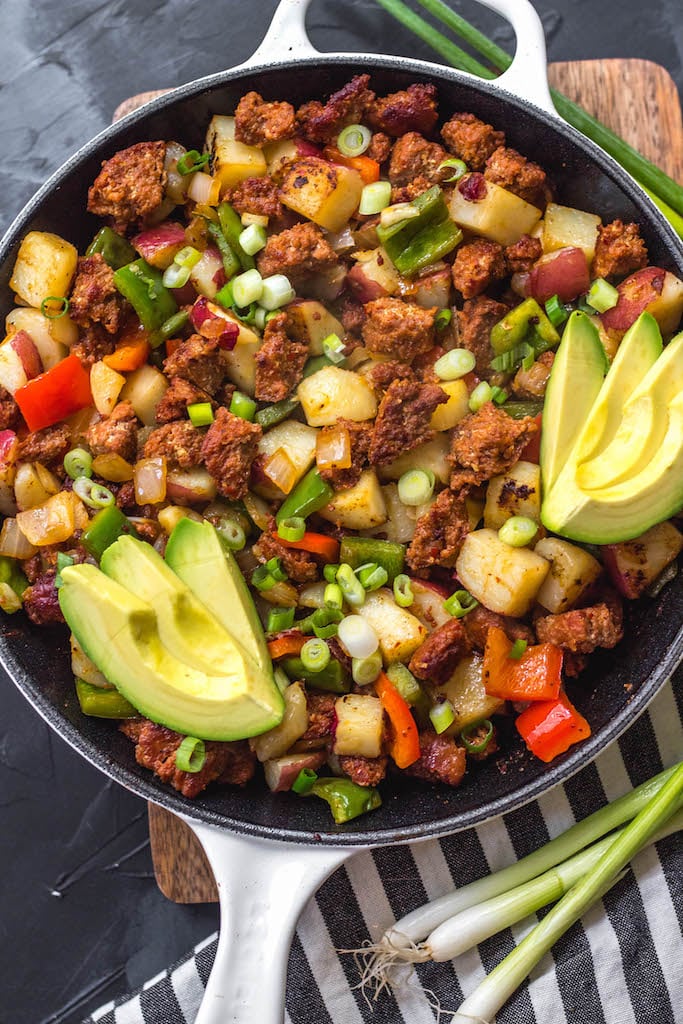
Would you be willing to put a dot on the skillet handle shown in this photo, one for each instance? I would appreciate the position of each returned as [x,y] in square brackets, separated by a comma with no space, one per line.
[263,887]
[286,36]
[527,76]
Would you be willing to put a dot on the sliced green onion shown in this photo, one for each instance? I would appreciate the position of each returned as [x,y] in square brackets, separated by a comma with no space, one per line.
[518,531]
[353,140]
[366,670]
[262,579]
[415,487]
[276,570]
[231,533]
[352,588]
[454,364]
[330,572]
[472,741]
[200,413]
[498,395]
[406,683]
[277,291]
[358,636]
[62,304]
[325,622]
[374,198]
[192,161]
[333,348]
[175,276]
[480,396]
[460,603]
[333,596]
[517,649]
[460,168]
[94,495]
[529,361]
[372,576]
[280,619]
[293,528]
[247,288]
[303,783]
[602,295]
[190,755]
[441,716]
[403,591]
[242,405]
[253,239]
[188,256]
[78,462]
[556,311]
[512,359]
[315,655]
[443,318]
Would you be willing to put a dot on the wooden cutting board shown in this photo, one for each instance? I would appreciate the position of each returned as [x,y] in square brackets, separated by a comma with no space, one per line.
[638,100]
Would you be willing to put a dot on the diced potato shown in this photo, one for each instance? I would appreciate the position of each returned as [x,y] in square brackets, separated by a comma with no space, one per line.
[429,456]
[503,578]
[106,385]
[572,570]
[232,161]
[144,389]
[500,215]
[565,227]
[325,193]
[515,493]
[33,485]
[668,308]
[12,372]
[45,266]
[455,409]
[83,668]
[475,510]
[240,366]
[400,633]
[374,275]
[310,322]
[360,723]
[358,508]
[298,442]
[332,394]
[400,524]
[294,724]
[51,337]
[278,154]
[465,690]
[428,604]
[51,522]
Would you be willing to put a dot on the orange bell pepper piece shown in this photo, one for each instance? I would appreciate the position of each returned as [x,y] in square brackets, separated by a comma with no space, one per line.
[55,394]
[366,167]
[315,543]
[537,675]
[130,355]
[405,740]
[550,727]
[286,645]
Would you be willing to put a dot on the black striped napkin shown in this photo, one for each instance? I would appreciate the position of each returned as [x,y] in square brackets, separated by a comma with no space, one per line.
[623,964]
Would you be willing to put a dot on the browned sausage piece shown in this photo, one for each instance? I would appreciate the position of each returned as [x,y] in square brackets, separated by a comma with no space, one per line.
[402,421]
[229,448]
[258,122]
[130,185]
[439,533]
[471,139]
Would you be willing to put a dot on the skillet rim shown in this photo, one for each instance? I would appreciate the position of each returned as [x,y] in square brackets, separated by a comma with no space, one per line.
[580,756]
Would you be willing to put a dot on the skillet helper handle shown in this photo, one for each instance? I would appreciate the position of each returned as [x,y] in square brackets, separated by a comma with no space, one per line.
[286,36]
[263,887]
[527,76]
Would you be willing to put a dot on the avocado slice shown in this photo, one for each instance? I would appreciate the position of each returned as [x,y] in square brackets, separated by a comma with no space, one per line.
[629,508]
[197,557]
[119,633]
[643,425]
[575,381]
[186,628]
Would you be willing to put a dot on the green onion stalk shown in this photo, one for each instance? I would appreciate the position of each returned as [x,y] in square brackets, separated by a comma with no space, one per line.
[666,193]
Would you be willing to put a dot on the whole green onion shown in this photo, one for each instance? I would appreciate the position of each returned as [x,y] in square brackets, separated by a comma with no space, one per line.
[315,655]
[78,462]
[403,591]
[518,531]
[92,494]
[190,755]
[292,529]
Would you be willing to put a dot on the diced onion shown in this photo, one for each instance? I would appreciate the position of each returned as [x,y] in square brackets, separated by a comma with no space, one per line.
[333,448]
[176,182]
[33,485]
[454,364]
[374,198]
[112,467]
[357,636]
[50,523]
[277,291]
[343,241]
[150,480]
[13,543]
[258,511]
[281,471]
[353,140]
[204,189]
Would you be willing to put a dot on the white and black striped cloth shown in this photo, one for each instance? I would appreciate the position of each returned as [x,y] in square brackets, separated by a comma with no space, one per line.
[623,964]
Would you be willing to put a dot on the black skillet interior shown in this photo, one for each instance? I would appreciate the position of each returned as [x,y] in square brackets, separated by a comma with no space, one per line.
[617,685]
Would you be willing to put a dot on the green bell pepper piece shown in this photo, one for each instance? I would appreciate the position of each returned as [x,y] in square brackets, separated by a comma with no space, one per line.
[115,250]
[310,494]
[428,246]
[357,551]
[231,263]
[232,228]
[273,414]
[515,325]
[99,703]
[332,678]
[142,285]
[104,528]
[316,363]
[12,575]
[431,206]
[347,800]
[518,410]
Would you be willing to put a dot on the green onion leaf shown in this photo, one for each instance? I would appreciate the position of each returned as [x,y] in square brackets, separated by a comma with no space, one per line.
[372,576]
[472,739]
[190,755]
[556,311]
[54,307]
[353,140]
[77,463]
[403,591]
[280,619]
[292,529]
[517,649]
[352,588]
[303,783]
[192,161]
[460,603]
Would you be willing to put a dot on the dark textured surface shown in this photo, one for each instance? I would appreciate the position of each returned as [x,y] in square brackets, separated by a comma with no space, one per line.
[65,829]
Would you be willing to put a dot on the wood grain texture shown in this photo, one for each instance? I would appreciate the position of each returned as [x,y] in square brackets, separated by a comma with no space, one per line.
[639,101]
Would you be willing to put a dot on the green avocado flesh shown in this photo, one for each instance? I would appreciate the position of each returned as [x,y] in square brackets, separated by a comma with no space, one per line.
[575,381]
[196,556]
[121,633]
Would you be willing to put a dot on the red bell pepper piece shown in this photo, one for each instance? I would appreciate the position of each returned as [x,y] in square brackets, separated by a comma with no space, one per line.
[286,645]
[532,452]
[316,543]
[537,675]
[366,167]
[550,727]
[54,395]
[405,740]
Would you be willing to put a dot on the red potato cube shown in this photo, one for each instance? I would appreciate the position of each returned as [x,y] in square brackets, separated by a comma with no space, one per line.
[635,564]
[563,273]
[652,289]
[158,245]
